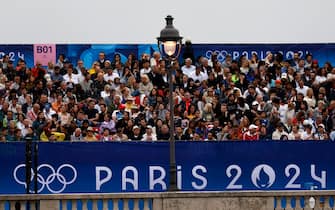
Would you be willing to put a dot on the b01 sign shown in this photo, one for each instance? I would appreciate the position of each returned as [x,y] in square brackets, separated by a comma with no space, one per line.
[44,53]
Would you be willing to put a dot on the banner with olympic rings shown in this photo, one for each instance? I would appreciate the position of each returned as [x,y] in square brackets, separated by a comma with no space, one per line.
[108,167]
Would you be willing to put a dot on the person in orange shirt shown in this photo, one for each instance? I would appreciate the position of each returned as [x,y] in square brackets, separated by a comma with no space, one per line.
[57,104]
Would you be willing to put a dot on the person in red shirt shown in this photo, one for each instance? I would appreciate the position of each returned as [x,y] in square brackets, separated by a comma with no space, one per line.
[252,134]
[38,71]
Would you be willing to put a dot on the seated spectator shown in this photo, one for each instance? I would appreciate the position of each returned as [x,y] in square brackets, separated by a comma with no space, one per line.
[149,134]
[332,135]
[321,133]
[188,68]
[107,124]
[106,92]
[163,133]
[279,133]
[106,136]
[49,134]
[210,136]
[252,134]
[136,134]
[307,134]
[145,85]
[90,135]
[295,134]
[197,137]
[92,113]
[77,135]
[33,113]
[120,136]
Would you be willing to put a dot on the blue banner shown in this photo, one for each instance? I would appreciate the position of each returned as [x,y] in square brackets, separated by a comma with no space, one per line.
[320,52]
[141,166]
[89,52]
[17,52]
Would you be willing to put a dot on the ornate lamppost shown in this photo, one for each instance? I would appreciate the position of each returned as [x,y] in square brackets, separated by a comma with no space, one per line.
[170,43]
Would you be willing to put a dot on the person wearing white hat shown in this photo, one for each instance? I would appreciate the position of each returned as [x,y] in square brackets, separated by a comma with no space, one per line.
[136,134]
[90,136]
[321,133]
[149,134]
[252,134]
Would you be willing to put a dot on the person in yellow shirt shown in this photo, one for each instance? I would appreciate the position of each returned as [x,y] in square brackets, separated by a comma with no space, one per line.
[94,70]
[90,135]
[49,134]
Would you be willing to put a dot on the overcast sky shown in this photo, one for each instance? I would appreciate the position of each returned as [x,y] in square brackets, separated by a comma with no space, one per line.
[209,21]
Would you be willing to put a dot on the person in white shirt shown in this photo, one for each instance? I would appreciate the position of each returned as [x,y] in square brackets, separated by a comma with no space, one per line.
[154,61]
[309,98]
[146,68]
[331,75]
[279,132]
[301,88]
[70,78]
[110,76]
[106,92]
[307,134]
[198,75]
[48,112]
[188,68]
[322,77]
[149,134]
[332,135]
[295,133]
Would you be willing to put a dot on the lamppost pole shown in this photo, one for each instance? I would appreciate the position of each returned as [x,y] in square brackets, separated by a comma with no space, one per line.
[170,43]
[173,166]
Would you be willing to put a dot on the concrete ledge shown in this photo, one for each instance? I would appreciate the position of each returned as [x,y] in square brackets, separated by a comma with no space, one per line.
[163,195]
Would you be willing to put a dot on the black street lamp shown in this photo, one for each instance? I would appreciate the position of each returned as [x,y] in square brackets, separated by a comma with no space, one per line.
[170,43]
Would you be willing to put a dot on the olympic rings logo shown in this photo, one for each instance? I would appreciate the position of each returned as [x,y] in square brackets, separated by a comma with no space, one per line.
[221,55]
[50,176]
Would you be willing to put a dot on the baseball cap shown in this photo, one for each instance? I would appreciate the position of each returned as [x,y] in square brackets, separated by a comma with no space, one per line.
[315,62]
[255,103]
[305,122]
[284,76]
[135,127]
[253,126]
[321,125]
[130,98]
[149,127]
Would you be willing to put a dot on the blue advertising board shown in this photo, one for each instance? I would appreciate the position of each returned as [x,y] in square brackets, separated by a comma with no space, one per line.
[89,52]
[108,167]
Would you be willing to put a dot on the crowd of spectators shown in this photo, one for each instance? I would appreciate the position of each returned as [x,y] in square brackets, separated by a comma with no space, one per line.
[244,99]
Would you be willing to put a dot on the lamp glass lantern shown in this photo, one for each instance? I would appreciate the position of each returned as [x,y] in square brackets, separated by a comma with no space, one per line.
[169,41]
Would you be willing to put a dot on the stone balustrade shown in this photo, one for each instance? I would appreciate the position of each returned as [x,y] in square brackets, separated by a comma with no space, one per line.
[236,200]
